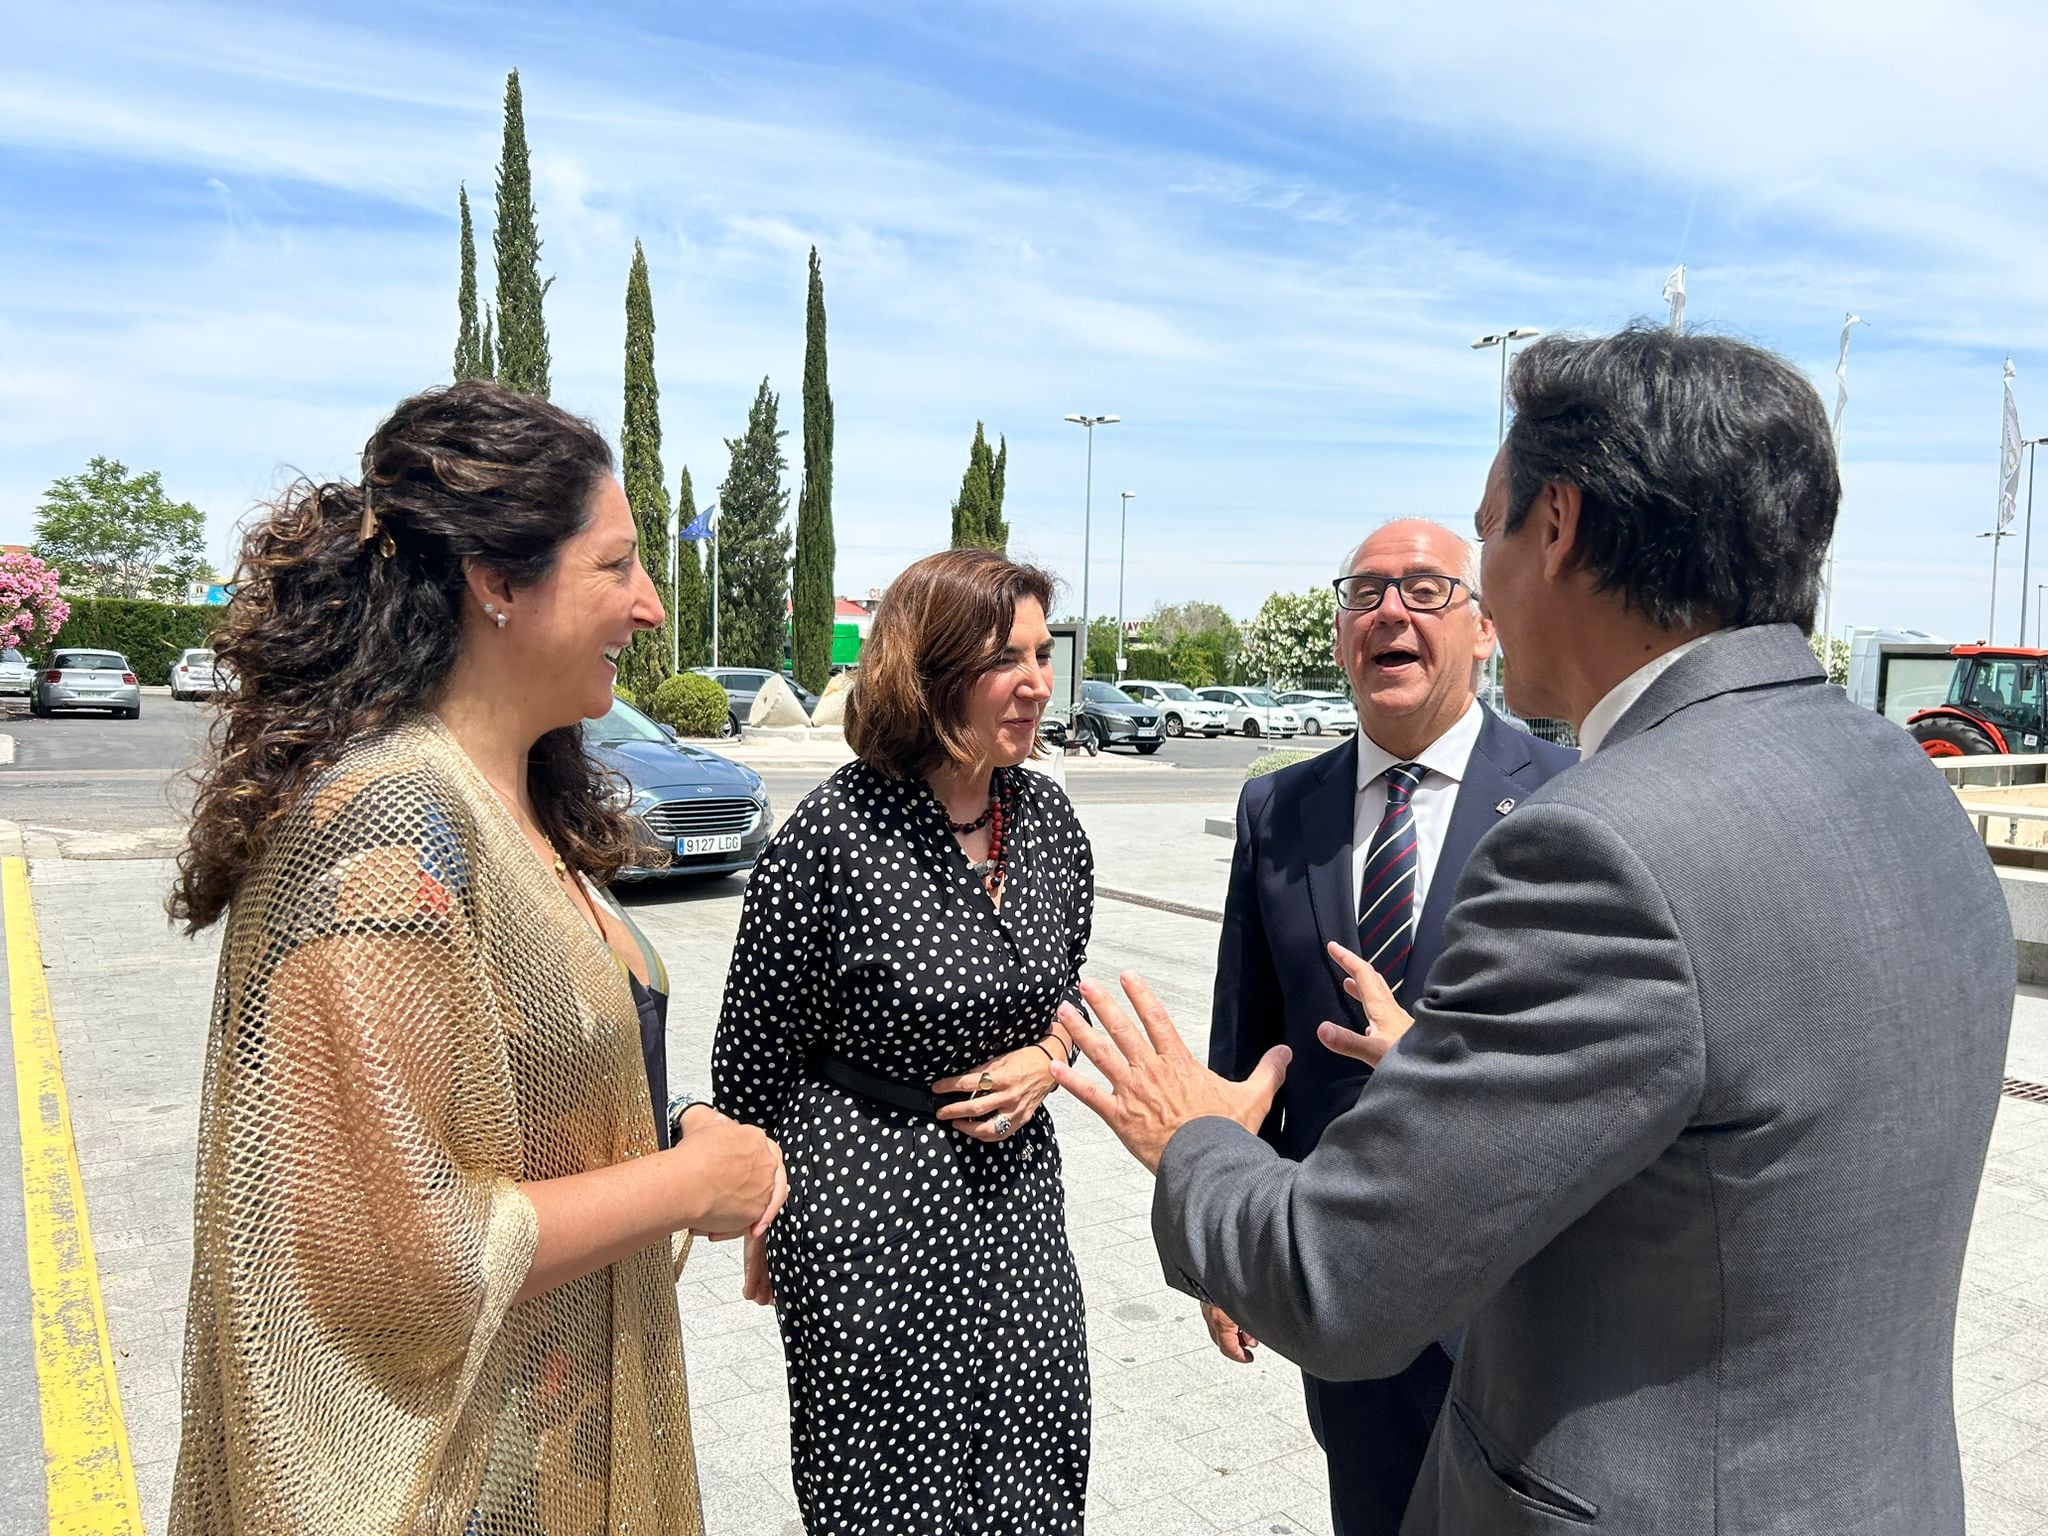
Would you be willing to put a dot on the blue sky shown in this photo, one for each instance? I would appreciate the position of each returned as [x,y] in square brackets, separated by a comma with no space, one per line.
[1264,235]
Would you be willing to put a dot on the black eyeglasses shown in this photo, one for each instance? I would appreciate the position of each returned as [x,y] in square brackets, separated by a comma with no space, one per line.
[1422,592]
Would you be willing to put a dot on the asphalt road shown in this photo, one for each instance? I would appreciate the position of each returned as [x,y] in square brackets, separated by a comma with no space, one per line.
[95,773]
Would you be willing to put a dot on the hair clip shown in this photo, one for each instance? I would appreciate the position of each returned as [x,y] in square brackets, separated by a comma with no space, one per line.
[371,527]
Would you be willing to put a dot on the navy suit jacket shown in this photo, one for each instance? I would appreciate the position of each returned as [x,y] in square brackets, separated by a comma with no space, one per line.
[1290,893]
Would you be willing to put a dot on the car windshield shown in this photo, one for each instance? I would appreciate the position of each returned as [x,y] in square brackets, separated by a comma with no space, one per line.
[1176,690]
[1260,697]
[620,724]
[11,655]
[1103,693]
[199,658]
[91,661]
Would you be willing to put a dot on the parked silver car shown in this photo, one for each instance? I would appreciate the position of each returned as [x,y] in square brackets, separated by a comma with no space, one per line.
[192,675]
[1253,711]
[16,675]
[82,679]
[1322,709]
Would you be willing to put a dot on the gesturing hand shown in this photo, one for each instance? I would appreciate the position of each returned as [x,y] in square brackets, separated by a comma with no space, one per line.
[1386,1021]
[1155,1085]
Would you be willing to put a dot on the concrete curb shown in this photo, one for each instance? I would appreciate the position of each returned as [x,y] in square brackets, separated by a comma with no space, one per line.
[6,751]
[10,840]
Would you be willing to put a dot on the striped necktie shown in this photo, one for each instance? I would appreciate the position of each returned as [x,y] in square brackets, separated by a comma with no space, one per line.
[1386,892]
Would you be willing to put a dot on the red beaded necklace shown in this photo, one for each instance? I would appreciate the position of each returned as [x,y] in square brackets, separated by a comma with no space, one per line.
[993,870]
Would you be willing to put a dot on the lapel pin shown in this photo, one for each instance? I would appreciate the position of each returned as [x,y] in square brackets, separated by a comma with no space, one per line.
[1504,807]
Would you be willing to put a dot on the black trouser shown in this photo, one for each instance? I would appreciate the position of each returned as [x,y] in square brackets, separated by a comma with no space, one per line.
[1374,1434]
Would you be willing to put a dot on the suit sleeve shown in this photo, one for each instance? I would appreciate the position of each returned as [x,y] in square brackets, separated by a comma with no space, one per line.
[1559,1052]
[1246,1016]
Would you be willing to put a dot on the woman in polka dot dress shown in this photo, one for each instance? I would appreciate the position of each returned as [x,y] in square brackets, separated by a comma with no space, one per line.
[889,1019]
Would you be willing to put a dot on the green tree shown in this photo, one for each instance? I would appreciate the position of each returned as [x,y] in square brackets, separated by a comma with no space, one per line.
[1291,638]
[811,606]
[977,523]
[646,661]
[522,354]
[1837,659]
[1198,661]
[999,468]
[112,534]
[470,359]
[691,611]
[487,351]
[753,545]
[1168,622]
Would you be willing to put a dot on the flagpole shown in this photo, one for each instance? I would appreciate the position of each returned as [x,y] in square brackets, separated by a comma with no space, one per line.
[2008,495]
[1849,320]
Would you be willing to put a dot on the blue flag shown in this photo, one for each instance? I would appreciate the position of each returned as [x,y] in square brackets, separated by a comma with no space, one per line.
[700,526]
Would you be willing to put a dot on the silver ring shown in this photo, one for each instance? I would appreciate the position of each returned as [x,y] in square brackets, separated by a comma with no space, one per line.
[1003,1125]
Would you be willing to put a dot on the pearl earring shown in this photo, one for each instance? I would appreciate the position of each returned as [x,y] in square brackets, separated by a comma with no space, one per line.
[491,613]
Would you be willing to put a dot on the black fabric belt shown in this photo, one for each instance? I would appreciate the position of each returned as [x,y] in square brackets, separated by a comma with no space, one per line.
[918,1099]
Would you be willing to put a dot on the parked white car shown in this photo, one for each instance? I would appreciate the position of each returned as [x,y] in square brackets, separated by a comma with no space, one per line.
[1185,714]
[1321,710]
[1253,711]
[192,675]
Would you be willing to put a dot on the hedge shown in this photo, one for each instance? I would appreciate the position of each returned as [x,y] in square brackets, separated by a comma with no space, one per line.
[691,702]
[149,634]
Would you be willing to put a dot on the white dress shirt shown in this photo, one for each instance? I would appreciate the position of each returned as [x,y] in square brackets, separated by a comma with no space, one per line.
[1444,762]
[1610,709]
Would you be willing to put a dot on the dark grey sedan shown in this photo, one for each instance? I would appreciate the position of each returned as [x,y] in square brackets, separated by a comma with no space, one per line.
[81,679]
[696,813]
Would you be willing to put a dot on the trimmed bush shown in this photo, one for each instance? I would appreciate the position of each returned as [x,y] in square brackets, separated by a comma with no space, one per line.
[1273,762]
[149,634]
[621,691]
[691,702]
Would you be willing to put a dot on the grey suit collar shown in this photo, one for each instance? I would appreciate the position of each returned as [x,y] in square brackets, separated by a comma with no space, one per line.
[1760,656]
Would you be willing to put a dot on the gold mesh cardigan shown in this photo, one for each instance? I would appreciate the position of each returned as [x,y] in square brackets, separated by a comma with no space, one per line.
[411,1018]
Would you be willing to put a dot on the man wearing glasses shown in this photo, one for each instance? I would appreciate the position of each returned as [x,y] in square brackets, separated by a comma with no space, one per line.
[1362,846]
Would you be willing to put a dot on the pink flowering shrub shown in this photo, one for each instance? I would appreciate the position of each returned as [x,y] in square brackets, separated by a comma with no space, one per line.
[31,612]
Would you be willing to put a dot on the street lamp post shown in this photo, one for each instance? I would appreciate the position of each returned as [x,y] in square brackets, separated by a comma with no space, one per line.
[2039,588]
[1505,340]
[1087,525]
[1123,528]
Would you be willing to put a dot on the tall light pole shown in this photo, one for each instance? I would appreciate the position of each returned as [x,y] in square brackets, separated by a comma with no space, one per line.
[1505,340]
[1087,524]
[2039,588]
[2027,543]
[1123,528]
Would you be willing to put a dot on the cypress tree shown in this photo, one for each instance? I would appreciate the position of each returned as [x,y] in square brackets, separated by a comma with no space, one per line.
[522,331]
[753,546]
[998,530]
[811,606]
[646,661]
[469,341]
[691,611]
[974,511]
[487,349]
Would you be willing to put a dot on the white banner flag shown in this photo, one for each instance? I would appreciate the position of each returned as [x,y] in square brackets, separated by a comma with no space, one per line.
[2009,455]
[1842,377]
[1674,295]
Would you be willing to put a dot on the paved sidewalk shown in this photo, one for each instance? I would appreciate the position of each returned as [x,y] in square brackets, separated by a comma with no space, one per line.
[1185,1442]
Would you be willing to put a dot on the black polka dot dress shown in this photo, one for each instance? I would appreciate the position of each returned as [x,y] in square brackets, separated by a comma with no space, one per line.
[930,1309]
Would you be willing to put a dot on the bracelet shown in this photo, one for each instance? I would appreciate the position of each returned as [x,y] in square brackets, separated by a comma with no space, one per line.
[1048,1052]
[678,1104]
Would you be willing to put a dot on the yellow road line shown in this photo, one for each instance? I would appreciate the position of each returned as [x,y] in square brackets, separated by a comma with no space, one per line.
[86,1466]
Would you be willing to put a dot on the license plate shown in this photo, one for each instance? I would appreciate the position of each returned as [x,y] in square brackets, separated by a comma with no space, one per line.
[1147,730]
[722,842]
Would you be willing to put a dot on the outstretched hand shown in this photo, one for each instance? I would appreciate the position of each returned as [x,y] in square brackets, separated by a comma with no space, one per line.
[1155,1085]
[1386,1021]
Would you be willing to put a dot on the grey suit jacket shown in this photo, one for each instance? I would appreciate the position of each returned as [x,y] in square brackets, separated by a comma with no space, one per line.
[1687,1133]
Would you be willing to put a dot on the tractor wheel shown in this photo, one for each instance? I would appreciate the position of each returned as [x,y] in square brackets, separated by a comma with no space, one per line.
[1946,736]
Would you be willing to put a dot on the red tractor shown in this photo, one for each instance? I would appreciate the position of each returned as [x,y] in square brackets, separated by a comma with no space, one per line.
[1995,704]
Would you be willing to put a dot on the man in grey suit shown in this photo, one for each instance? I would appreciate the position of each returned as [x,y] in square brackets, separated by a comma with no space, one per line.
[1688,1126]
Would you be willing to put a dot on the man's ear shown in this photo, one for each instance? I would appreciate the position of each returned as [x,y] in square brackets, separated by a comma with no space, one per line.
[1558,505]
[486,586]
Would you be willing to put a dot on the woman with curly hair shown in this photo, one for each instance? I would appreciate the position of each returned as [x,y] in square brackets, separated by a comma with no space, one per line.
[432,1282]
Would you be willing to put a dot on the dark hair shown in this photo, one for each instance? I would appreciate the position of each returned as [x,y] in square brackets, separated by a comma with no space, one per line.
[1705,466]
[330,636]
[943,623]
